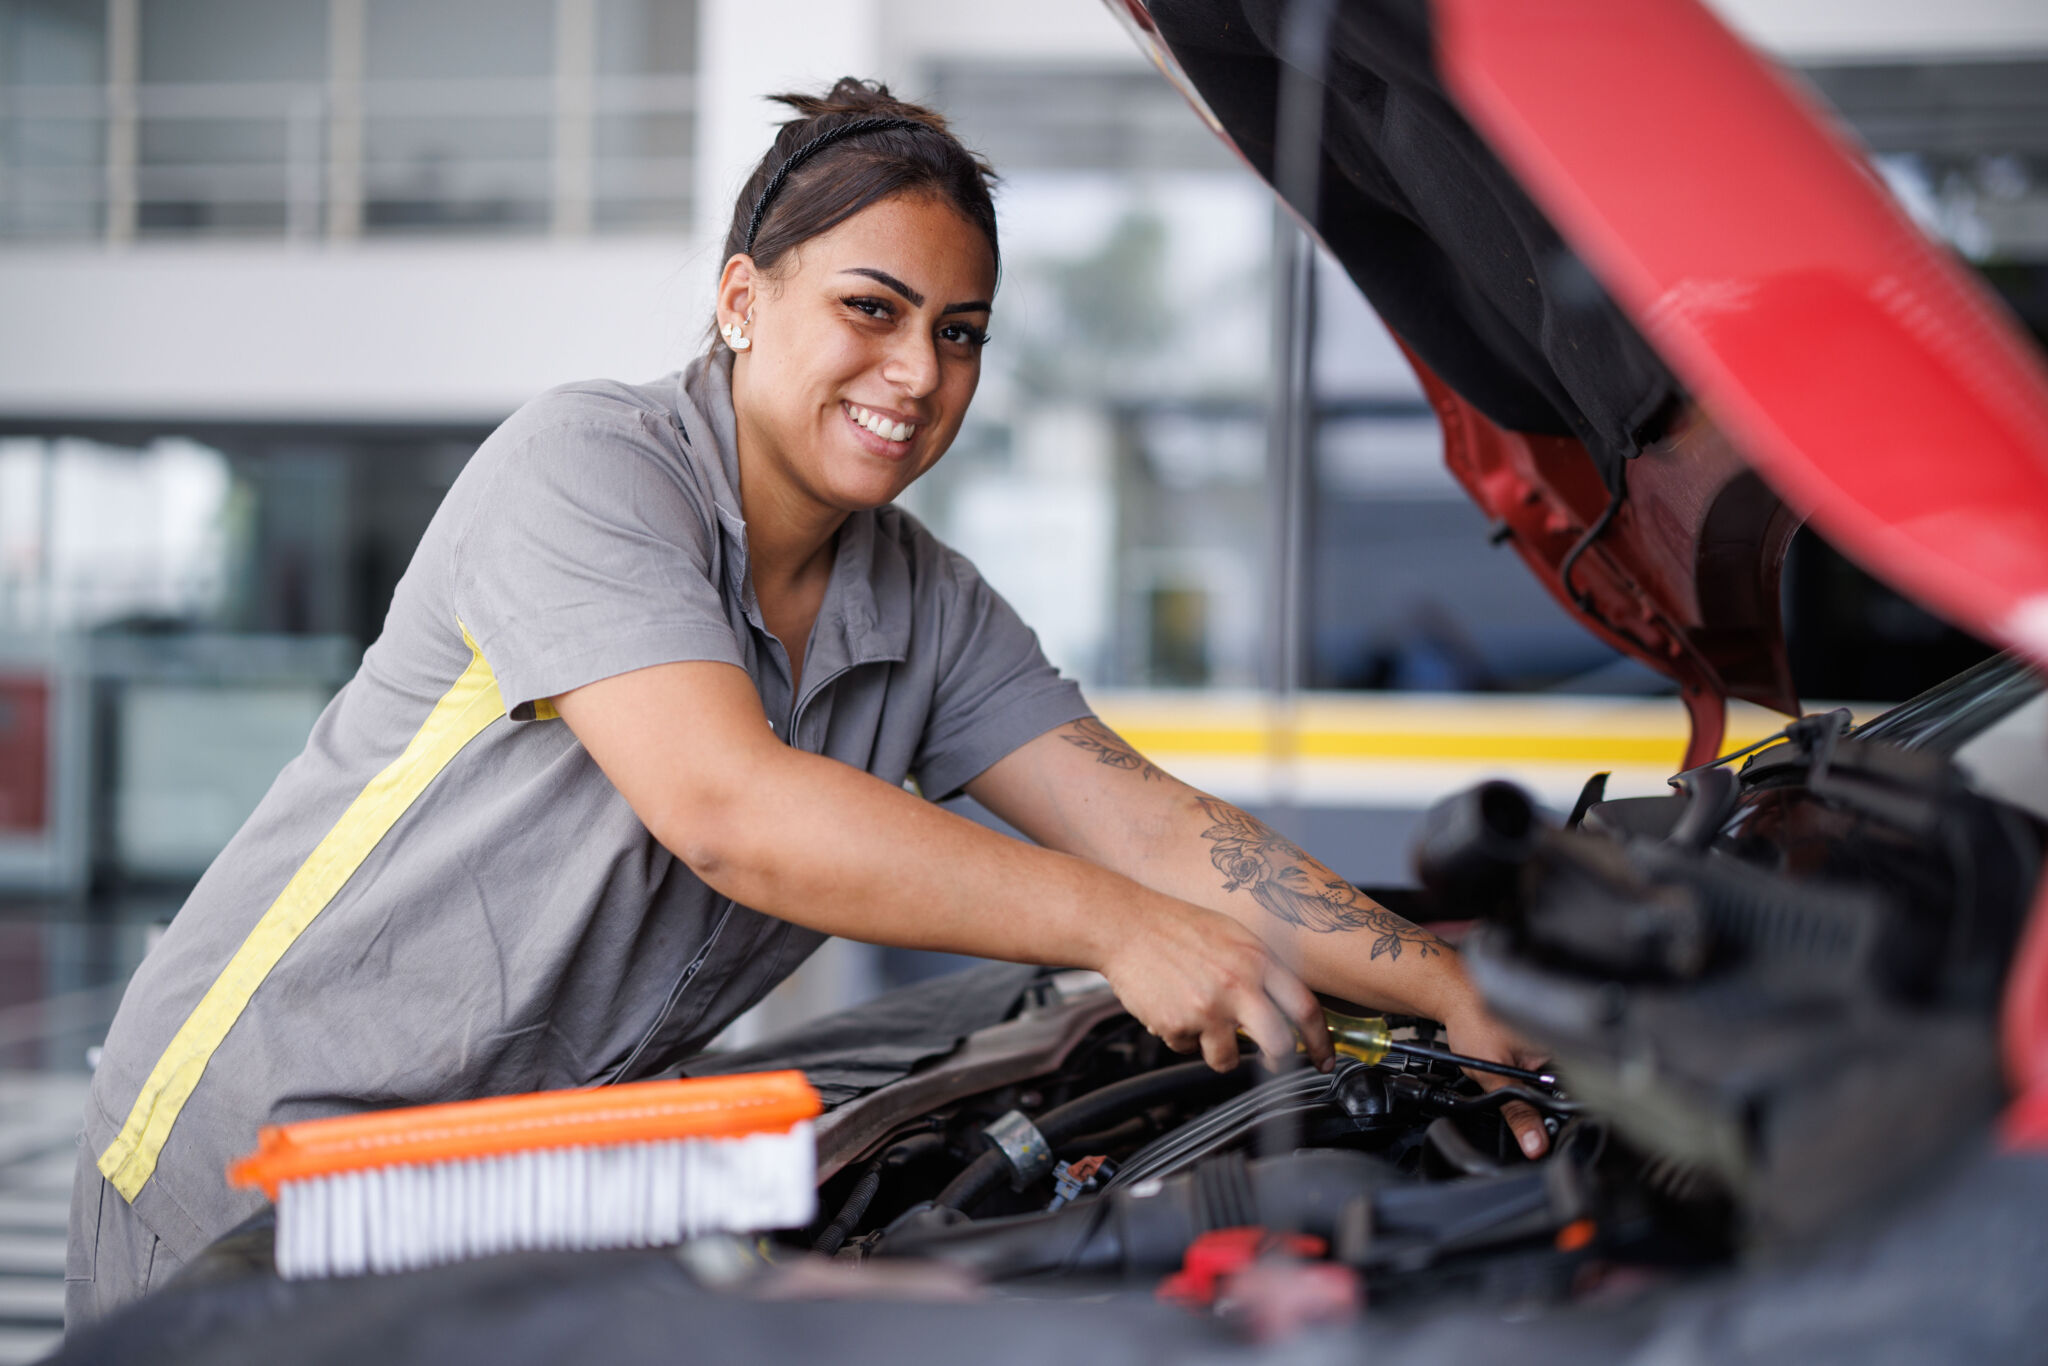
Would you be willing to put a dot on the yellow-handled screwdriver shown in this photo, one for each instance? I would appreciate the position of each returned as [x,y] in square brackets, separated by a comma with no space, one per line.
[1370,1040]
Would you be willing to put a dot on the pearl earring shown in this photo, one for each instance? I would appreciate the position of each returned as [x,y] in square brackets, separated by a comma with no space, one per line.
[735,338]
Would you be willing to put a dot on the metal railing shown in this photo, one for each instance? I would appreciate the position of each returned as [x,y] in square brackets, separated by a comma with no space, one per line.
[340,160]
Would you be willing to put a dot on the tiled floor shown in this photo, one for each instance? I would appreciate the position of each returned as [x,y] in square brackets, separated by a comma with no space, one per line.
[61,966]
[38,1149]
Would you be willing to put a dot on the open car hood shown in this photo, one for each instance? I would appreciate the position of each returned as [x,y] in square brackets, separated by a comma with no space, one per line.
[1590,223]
[1593,221]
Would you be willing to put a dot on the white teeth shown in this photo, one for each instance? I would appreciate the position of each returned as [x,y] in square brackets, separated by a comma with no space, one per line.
[879,425]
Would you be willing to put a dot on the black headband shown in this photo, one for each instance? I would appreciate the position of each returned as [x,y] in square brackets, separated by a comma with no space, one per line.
[809,150]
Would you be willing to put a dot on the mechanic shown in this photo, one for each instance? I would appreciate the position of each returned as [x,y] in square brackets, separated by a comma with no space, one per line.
[634,738]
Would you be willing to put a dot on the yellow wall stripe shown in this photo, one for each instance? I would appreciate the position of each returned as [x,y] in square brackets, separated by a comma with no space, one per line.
[1242,743]
[459,717]
[1327,727]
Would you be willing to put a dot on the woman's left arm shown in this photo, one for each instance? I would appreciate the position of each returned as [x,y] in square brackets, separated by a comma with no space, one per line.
[1082,789]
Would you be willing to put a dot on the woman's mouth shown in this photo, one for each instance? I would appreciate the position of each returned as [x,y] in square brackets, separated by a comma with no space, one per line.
[884,427]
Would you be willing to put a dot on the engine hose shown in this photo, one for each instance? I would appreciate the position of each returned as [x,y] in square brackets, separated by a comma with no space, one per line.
[1126,1134]
[850,1213]
[1501,1095]
[863,1193]
[1085,1114]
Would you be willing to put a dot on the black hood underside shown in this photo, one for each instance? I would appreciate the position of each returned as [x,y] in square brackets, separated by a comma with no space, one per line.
[1429,223]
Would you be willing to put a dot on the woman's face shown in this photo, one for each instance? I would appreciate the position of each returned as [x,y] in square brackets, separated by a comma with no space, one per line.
[866,351]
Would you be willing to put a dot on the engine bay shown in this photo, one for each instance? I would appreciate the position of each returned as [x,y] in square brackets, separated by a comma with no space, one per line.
[1130,1156]
[1770,996]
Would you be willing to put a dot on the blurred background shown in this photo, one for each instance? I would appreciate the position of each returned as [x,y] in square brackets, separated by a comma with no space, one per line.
[271,269]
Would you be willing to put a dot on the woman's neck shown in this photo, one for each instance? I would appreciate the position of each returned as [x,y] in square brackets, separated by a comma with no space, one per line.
[790,536]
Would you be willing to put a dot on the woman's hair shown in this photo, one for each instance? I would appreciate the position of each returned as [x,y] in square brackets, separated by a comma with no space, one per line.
[899,148]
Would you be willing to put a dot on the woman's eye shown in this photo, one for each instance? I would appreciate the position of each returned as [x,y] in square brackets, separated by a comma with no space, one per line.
[964,334]
[874,308]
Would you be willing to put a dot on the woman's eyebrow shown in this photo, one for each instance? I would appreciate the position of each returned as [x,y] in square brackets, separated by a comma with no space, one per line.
[883,277]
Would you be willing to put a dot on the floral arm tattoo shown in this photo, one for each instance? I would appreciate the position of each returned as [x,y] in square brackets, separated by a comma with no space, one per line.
[1294,887]
[1109,748]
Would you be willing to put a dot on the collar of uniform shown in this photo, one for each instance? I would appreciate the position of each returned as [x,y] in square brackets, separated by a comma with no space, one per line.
[868,569]
[706,392]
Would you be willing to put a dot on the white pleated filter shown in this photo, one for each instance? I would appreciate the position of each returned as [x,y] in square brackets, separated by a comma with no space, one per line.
[631,1195]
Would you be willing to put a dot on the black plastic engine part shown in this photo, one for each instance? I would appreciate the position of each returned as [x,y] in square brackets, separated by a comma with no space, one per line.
[1146,1228]
[1474,845]
[1750,1007]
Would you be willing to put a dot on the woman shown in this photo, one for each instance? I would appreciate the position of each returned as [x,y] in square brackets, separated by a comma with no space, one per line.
[634,737]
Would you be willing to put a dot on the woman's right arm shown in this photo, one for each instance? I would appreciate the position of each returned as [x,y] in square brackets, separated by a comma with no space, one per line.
[821,844]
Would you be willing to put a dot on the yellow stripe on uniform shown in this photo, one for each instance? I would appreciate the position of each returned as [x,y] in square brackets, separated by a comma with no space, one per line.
[459,717]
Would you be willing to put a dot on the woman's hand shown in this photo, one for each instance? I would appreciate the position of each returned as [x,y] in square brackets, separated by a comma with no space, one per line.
[1475,1033]
[1195,977]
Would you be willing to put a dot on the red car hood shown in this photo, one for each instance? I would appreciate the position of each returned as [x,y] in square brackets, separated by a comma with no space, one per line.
[1657,302]
[1593,223]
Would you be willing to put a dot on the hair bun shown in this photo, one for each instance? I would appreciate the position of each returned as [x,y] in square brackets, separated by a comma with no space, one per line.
[851,97]
[853,146]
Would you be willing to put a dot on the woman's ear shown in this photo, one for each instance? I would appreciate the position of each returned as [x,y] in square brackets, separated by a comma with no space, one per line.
[736,290]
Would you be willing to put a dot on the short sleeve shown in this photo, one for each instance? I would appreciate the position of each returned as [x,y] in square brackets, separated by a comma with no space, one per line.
[995,689]
[589,554]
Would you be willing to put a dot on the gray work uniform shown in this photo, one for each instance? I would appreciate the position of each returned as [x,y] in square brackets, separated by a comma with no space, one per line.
[443,897]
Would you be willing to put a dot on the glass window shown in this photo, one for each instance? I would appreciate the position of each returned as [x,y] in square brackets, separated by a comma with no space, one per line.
[459,39]
[643,129]
[52,42]
[52,129]
[458,114]
[472,116]
[1110,480]
[232,115]
[193,41]
[92,534]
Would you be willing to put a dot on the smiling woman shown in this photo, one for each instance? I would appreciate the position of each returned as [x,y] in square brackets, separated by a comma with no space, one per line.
[635,736]
[863,352]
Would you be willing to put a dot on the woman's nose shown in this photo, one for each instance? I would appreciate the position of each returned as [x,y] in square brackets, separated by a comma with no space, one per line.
[912,364]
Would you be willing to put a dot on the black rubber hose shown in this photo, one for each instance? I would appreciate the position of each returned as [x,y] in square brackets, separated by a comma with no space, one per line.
[850,1213]
[863,1193]
[971,1184]
[1457,1150]
[1132,1130]
[1501,1095]
[1086,1113]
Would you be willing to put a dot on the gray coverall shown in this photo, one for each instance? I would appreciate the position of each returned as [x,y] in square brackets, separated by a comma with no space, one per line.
[443,897]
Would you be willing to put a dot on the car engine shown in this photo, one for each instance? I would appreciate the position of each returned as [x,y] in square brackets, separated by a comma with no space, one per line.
[1770,997]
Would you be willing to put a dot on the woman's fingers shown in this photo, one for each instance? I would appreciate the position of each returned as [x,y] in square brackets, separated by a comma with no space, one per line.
[1477,1034]
[1530,1135]
[1268,1029]
[1199,977]
[1304,1014]
[1219,1046]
